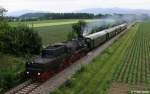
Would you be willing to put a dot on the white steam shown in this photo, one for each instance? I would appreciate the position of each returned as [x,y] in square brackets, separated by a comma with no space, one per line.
[107,21]
[98,23]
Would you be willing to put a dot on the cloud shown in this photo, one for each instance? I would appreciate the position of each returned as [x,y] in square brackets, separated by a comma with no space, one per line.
[71,5]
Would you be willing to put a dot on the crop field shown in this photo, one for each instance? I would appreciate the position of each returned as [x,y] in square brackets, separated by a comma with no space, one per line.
[135,67]
[126,62]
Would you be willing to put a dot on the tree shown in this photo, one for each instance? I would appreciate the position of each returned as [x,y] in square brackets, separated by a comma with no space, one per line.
[20,40]
[78,28]
[2,11]
[3,21]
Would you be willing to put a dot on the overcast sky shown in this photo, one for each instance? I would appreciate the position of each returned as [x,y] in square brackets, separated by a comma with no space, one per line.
[71,5]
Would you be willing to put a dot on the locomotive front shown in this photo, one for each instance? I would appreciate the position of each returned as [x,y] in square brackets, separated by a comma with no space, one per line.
[46,65]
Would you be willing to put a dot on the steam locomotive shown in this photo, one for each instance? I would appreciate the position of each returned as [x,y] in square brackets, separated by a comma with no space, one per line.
[57,57]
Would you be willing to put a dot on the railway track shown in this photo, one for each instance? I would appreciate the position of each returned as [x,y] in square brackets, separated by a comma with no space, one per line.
[27,87]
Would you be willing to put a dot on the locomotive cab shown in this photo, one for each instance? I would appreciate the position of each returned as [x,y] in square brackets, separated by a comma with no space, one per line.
[53,51]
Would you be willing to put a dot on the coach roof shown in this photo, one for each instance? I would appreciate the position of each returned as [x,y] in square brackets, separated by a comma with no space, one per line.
[96,35]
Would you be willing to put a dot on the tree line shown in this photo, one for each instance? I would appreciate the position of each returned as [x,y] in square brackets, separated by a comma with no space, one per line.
[48,16]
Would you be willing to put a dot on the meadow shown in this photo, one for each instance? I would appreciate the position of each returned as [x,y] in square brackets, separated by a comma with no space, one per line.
[53,34]
[126,62]
[52,31]
[44,23]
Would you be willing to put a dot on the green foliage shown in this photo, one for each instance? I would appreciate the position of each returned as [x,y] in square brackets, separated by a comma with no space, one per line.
[20,40]
[78,28]
[68,16]
[3,21]
[71,35]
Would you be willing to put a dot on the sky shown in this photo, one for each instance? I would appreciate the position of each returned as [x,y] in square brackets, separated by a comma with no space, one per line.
[71,5]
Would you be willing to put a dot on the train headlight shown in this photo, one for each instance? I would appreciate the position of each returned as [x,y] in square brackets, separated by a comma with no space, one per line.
[39,74]
[27,72]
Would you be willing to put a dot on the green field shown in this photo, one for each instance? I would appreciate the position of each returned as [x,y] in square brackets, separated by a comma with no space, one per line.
[126,61]
[135,67]
[52,34]
[44,23]
[52,31]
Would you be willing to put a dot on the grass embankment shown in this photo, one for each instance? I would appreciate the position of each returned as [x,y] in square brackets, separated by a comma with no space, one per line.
[96,77]
[10,71]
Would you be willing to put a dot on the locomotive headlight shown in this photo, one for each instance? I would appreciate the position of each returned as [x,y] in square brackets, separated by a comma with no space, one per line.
[39,74]
[27,72]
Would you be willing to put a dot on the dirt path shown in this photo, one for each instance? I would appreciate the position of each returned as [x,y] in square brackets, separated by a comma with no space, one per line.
[122,88]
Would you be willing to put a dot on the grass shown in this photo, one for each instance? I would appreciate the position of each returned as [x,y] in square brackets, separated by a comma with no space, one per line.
[11,69]
[51,22]
[53,34]
[98,75]
[44,23]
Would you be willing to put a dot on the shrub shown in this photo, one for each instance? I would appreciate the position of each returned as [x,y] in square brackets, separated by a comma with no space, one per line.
[20,40]
[78,28]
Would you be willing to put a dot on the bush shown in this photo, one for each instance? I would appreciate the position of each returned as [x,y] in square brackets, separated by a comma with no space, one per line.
[71,35]
[20,40]
[78,28]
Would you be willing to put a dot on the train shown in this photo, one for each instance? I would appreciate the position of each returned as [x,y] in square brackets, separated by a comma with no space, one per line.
[57,57]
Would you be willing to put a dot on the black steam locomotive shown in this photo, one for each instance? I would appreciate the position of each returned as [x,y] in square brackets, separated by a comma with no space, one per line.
[59,56]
